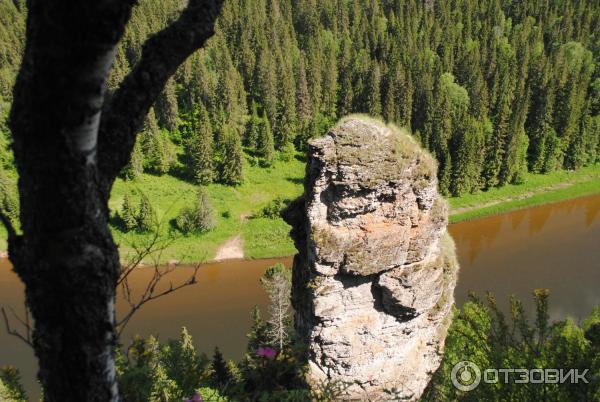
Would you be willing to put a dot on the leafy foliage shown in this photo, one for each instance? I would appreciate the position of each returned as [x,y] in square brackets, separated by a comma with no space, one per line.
[273,209]
[11,389]
[482,334]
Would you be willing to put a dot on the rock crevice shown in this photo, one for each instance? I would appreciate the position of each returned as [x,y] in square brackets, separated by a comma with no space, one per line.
[375,271]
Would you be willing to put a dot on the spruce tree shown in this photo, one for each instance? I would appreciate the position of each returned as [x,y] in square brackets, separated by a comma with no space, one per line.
[167,108]
[258,332]
[265,141]
[302,95]
[286,121]
[146,219]
[220,375]
[373,99]
[128,215]
[253,128]
[135,167]
[231,169]
[267,82]
[156,146]
[201,148]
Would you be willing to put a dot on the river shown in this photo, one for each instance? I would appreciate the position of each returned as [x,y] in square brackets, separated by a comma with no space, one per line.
[555,246]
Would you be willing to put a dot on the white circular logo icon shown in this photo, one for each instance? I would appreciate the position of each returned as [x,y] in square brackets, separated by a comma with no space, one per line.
[466,376]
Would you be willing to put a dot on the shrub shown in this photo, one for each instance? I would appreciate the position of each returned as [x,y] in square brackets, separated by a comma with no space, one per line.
[273,209]
[200,218]
[9,204]
[11,389]
[481,334]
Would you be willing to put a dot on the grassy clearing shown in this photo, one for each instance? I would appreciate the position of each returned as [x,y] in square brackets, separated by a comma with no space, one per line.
[537,190]
[234,206]
[265,237]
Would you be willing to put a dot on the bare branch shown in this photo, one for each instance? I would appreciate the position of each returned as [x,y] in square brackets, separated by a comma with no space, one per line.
[151,294]
[162,54]
[25,338]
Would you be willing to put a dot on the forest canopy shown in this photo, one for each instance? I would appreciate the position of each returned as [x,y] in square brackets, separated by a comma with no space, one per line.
[493,88]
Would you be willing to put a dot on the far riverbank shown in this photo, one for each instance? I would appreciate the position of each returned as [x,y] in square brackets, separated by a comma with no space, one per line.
[258,238]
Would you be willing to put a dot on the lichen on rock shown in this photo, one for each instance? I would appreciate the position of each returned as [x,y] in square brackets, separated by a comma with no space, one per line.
[375,272]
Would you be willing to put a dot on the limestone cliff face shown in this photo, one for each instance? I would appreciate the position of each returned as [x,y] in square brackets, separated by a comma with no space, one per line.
[375,271]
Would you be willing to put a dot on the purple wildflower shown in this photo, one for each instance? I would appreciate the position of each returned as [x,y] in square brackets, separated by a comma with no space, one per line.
[195,398]
[265,351]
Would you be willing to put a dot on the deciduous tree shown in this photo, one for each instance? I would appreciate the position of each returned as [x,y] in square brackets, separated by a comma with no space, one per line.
[70,143]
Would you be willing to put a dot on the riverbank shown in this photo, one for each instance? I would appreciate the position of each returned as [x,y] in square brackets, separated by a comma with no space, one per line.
[537,190]
[266,238]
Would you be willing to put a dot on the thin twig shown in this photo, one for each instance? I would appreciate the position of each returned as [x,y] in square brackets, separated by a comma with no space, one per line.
[149,294]
[13,332]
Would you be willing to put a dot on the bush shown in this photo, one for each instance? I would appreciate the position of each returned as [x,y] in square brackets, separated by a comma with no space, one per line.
[200,218]
[9,204]
[273,209]
[481,334]
[11,389]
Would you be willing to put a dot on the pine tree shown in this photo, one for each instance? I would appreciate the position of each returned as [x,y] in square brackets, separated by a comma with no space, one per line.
[231,158]
[201,148]
[128,214]
[267,82]
[182,363]
[204,212]
[302,95]
[146,219]
[220,375]
[135,167]
[286,122]
[167,108]
[468,156]
[258,332]
[156,146]
[265,145]
[373,99]
[253,128]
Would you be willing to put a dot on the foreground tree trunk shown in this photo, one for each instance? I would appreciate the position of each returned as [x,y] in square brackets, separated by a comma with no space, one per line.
[69,145]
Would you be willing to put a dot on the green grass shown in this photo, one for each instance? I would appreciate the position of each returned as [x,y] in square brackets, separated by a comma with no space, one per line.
[262,237]
[265,237]
[538,189]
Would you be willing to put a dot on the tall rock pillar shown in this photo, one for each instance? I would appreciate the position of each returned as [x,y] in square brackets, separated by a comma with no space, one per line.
[375,272]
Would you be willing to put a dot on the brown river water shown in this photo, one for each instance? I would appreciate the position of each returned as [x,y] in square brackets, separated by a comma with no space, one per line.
[556,246]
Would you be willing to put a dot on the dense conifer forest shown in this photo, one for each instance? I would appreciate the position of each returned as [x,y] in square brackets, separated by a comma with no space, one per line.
[493,88]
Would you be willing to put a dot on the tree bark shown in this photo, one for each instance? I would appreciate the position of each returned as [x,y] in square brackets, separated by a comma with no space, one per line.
[69,147]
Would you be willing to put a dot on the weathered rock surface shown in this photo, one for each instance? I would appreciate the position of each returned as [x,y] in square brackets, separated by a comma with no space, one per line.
[375,271]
